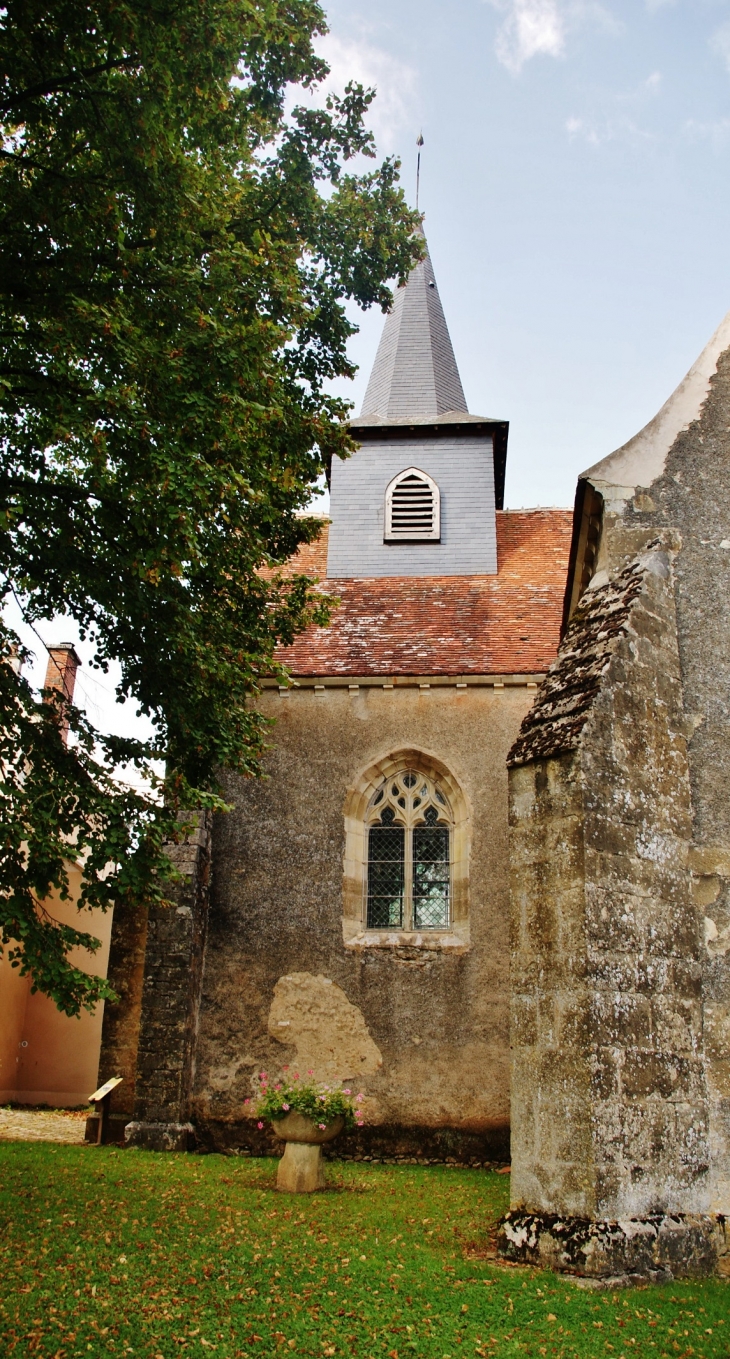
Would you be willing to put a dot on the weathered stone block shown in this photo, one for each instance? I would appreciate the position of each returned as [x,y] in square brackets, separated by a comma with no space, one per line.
[605,1069]
[524,1021]
[653,1073]
[622,1018]
[678,1245]
[160,1136]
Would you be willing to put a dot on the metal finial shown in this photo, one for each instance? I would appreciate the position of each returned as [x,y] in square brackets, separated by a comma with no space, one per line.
[419,144]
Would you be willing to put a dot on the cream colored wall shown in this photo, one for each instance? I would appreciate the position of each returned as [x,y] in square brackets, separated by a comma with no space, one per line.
[13,1001]
[47,1057]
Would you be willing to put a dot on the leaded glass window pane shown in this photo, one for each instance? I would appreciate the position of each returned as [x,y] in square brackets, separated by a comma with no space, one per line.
[409,854]
[386,877]
[431,877]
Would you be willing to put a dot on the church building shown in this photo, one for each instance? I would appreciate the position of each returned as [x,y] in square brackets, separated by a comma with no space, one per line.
[350,915]
[486,873]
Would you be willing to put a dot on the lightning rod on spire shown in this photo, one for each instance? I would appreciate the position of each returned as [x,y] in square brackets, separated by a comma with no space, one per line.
[419,144]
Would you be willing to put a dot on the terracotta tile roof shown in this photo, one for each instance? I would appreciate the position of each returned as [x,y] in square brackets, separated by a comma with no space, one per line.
[446,625]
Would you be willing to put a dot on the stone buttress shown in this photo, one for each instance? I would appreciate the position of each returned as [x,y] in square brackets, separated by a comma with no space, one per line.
[621,835]
[150,1036]
[610,1133]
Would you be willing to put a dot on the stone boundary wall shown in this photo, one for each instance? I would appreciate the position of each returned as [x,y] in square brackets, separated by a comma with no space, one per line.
[385,1144]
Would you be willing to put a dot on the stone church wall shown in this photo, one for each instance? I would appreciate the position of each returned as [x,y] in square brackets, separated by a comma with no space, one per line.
[607,937]
[610,1100]
[690,498]
[693,496]
[423,1031]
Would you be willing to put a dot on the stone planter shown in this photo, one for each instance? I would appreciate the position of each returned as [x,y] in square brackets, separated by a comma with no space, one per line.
[300,1168]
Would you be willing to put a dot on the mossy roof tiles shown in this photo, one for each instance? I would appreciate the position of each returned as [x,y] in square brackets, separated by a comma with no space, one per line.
[507,623]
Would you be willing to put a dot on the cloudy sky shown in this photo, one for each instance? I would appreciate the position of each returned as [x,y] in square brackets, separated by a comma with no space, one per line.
[577,197]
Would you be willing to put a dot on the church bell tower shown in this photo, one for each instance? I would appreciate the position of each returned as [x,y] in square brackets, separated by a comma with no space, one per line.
[420,495]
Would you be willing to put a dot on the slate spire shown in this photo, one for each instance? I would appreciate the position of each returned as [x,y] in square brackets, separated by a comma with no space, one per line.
[415,371]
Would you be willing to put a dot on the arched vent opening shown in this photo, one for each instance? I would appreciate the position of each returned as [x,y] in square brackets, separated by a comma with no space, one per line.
[412,508]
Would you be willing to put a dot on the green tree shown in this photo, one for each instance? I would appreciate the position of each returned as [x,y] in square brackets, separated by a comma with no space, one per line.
[175,258]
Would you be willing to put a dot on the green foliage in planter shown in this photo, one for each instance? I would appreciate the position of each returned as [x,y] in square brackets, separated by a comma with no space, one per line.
[323,1104]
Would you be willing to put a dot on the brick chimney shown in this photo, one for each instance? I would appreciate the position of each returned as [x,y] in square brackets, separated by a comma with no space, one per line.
[61,676]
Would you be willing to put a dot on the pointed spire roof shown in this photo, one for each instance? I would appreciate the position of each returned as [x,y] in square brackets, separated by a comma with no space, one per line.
[415,372]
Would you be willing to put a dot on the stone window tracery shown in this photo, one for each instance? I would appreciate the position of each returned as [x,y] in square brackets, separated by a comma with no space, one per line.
[409,828]
[415,876]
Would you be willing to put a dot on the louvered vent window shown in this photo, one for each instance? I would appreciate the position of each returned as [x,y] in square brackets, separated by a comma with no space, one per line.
[412,508]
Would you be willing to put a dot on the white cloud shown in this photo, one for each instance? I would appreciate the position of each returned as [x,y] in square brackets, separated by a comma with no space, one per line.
[720,41]
[617,119]
[540,27]
[394,110]
[579,129]
[616,129]
[716,133]
[532,27]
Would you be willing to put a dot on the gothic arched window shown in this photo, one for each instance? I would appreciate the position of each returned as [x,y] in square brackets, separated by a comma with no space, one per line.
[409,827]
[412,508]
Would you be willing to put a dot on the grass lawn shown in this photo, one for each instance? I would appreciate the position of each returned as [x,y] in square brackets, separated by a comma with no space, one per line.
[112,1253]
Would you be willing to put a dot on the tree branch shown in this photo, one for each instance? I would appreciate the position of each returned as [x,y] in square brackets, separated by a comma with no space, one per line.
[61,82]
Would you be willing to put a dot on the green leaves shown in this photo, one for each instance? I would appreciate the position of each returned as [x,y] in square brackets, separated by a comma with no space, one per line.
[174,266]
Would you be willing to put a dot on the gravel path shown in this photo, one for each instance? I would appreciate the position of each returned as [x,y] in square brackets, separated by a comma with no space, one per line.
[41,1125]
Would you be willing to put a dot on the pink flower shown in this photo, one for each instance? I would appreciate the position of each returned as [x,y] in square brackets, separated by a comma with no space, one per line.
[347,1092]
[262,1075]
[311,1071]
[247,1101]
[285,1106]
[359,1098]
[323,1126]
[259,1125]
[296,1075]
[285,1068]
[277,1087]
